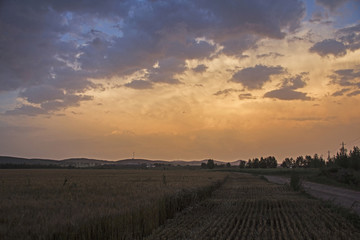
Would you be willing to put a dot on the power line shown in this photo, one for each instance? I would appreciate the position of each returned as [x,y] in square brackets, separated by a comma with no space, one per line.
[348,143]
[355,140]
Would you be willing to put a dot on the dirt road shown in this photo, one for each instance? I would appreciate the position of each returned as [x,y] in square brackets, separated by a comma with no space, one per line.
[344,197]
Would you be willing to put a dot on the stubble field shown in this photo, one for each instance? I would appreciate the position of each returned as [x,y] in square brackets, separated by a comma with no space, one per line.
[248,207]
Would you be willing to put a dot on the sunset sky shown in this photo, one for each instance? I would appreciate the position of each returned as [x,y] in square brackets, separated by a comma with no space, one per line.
[171,79]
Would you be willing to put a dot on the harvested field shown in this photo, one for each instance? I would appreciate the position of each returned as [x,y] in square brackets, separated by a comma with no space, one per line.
[340,196]
[247,207]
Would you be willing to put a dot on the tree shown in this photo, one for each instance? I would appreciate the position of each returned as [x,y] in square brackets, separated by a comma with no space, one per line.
[262,163]
[287,163]
[256,163]
[308,160]
[210,164]
[203,165]
[342,160]
[249,164]
[242,164]
[271,162]
[295,182]
[317,161]
[300,162]
[355,158]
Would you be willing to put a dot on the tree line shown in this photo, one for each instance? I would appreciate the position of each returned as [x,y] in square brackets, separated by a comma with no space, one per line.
[211,164]
[342,159]
[304,162]
[268,162]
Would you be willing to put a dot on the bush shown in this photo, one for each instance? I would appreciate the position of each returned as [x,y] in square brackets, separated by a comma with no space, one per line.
[295,182]
[348,177]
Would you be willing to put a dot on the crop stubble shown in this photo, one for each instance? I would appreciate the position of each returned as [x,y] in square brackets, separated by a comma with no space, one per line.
[247,207]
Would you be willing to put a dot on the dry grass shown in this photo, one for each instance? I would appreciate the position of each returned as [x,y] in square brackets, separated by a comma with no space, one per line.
[89,204]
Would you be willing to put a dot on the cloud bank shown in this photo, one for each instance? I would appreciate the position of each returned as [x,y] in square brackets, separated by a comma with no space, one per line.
[255,77]
[347,39]
[52,49]
[287,91]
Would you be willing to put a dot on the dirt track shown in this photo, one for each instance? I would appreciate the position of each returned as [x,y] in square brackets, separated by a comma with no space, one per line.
[344,197]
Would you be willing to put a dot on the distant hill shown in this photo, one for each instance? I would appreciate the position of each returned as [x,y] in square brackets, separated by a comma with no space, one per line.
[32,161]
[140,162]
[71,162]
[85,162]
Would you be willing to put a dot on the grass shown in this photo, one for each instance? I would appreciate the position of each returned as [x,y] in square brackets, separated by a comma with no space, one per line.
[285,172]
[96,204]
[309,174]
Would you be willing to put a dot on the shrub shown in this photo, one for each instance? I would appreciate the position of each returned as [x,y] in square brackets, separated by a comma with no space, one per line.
[348,177]
[295,182]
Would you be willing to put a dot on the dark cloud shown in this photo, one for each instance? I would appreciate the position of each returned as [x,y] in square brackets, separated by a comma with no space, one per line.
[227,92]
[242,56]
[308,36]
[139,84]
[270,54]
[287,94]
[288,87]
[346,78]
[26,110]
[354,93]
[295,82]
[236,46]
[350,36]
[187,48]
[245,96]
[67,101]
[42,93]
[331,4]
[349,30]
[320,17]
[347,39]
[256,77]
[166,70]
[317,17]
[58,46]
[349,79]
[200,68]
[340,92]
[329,47]
[50,106]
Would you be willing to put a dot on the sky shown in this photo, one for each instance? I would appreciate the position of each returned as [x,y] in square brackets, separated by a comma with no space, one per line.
[179,79]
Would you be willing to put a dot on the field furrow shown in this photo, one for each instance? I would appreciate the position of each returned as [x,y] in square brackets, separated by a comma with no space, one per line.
[246,207]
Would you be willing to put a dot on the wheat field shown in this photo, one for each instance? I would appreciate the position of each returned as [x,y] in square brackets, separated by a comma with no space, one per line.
[96,204]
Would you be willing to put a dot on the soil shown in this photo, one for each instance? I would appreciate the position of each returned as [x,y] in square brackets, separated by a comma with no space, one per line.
[344,197]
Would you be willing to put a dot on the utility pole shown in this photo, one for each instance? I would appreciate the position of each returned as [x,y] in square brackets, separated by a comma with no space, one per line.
[133,156]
